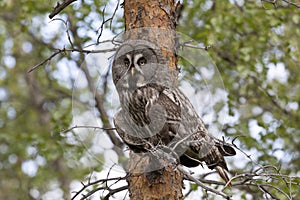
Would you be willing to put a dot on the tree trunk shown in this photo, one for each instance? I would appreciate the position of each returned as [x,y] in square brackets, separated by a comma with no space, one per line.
[152,15]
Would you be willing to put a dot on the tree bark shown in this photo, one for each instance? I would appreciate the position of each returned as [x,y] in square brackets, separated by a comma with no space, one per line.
[159,17]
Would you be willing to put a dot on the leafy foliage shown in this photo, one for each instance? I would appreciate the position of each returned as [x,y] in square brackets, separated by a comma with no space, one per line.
[36,157]
[255,47]
[257,53]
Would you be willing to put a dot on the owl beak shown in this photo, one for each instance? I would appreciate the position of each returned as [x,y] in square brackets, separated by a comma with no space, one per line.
[132,71]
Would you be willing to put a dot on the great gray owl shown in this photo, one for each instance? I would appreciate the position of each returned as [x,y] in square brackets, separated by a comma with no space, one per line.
[155,114]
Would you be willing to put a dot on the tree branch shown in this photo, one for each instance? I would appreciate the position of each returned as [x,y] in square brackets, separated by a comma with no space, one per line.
[59,7]
[291,3]
[188,176]
[274,2]
[46,60]
[92,127]
[59,51]
[98,182]
[187,44]
[107,20]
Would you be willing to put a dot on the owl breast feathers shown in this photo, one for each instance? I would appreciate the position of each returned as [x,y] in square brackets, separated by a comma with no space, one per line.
[155,114]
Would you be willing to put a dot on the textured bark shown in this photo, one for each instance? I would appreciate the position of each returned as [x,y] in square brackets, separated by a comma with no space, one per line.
[156,22]
[163,184]
[166,183]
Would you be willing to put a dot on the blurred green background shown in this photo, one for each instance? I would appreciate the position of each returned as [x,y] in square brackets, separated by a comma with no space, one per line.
[255,51]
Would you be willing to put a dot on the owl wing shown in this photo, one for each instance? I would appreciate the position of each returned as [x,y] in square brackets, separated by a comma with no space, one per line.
[149,116]
[127,133]
[183,129]
[198,145]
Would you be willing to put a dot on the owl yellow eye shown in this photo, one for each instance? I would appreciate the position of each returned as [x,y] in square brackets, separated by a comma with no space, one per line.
[126,62]
[142,61]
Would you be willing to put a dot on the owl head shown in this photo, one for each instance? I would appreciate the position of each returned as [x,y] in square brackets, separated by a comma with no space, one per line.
[138,63]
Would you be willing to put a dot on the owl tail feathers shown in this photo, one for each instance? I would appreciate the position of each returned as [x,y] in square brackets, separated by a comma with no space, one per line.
[223,175]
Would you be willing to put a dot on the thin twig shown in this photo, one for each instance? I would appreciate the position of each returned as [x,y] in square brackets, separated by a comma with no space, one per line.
[274,2]
[67,28]
[93,127]
[196,46]
[190,177]
[100,181]
[107,20]
[114,191]
[291,3]
[46,60]
[69,50]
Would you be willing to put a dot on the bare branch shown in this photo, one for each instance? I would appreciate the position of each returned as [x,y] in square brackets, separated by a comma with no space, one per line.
[46,60]
[100,182]
[92,127]
[274,2]
[67,29]
[69,50]
[186,44]
[191,178]
[59,7]
[107,20]
[291,3]
[114,191]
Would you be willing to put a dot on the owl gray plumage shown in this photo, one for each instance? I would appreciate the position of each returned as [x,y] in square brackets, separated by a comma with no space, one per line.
[156,114]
